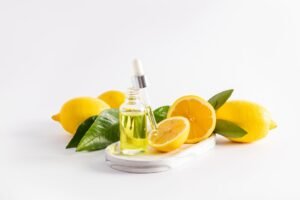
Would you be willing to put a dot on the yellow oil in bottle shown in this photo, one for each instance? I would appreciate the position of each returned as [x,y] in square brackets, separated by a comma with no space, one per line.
[133,132]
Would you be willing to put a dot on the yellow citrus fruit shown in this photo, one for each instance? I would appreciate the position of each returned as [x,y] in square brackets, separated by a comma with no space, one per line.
[171,133]
[252,117]
[113,98]
[199,112]
[77,110]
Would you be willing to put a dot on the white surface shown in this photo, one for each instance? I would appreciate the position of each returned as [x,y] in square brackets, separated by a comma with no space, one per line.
[51,51]
[153,161]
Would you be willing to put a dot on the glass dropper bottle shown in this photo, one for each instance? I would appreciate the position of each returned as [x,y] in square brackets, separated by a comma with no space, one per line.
[133,124]
[139,81]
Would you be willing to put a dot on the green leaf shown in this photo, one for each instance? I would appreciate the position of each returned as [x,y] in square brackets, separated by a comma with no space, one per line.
[229,129]
[103,132]
[81,130]
[161,113]
[219,99]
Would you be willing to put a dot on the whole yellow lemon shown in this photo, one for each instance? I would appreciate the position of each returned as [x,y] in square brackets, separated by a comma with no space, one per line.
[113,98]
[252,117]
[77,110]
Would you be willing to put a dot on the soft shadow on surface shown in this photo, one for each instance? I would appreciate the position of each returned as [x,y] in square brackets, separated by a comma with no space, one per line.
[225,142]
[100,165]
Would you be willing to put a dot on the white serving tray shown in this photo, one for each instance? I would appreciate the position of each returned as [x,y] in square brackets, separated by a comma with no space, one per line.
[153,161]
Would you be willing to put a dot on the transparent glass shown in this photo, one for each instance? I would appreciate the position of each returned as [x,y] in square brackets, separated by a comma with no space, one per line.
[133,124]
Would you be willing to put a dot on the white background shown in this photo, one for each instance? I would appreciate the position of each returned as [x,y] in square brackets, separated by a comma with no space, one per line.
[51,51]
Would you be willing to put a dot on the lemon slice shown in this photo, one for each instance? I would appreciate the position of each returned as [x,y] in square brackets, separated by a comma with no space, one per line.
[199,112]
[171,133]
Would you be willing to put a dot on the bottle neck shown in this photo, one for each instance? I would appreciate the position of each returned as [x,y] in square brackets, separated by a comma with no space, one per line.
[132,99]
[133,96]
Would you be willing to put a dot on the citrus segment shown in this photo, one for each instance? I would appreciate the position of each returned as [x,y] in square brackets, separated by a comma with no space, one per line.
[200,114]
[171,133]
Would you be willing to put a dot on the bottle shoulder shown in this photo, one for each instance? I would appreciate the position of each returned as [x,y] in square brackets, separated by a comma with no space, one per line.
[132,107]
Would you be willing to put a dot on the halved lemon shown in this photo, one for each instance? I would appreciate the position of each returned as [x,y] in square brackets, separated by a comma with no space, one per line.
[199,112]
[171,133]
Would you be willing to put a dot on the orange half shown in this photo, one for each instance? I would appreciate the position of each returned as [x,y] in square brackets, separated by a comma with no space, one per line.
[199,112]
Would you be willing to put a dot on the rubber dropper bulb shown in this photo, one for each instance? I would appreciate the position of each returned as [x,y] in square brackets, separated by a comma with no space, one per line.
[137,67]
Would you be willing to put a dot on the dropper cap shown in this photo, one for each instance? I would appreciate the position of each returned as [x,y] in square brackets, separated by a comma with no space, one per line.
[137,67]
[139,79]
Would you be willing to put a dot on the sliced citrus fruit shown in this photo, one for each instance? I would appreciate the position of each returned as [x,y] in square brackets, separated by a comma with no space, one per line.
[113,98]
[171,133]
[199,112]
